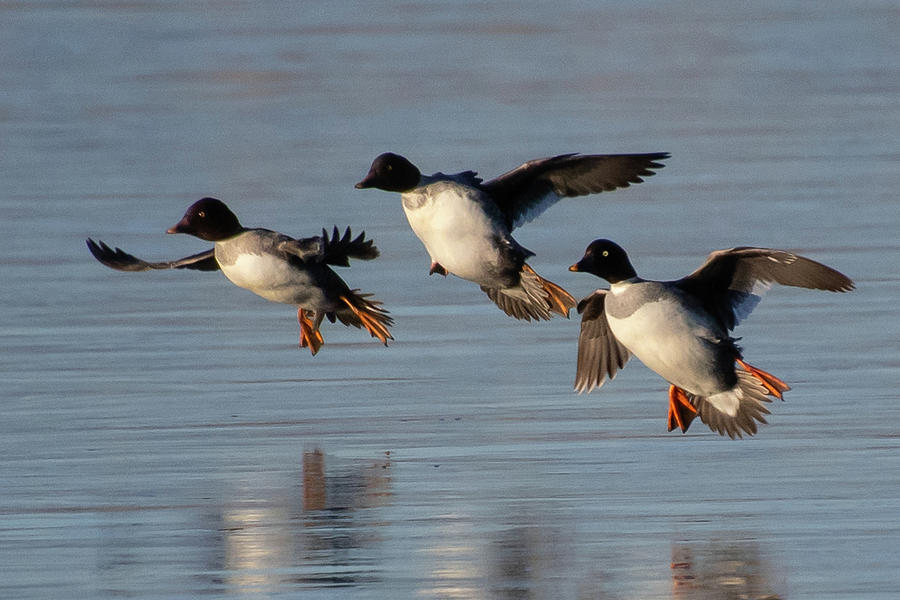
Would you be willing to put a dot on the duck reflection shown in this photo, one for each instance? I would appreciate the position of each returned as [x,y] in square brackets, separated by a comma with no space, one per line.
[318,534]
[521,561]
[527,560]
[347,489]
[721,571]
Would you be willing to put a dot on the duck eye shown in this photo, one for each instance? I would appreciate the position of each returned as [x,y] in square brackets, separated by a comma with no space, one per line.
[606,253]
[202,214]
[390,167]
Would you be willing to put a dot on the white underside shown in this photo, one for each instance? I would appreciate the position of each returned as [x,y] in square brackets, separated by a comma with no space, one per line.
[455,230]
[670,341]
[274,279]
[727,402]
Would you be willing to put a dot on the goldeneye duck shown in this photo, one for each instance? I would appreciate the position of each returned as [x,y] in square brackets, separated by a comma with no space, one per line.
[275,266]
[680,329]
[465,223]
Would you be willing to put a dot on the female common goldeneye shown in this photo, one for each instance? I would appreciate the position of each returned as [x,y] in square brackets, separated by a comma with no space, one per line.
[680,329]
[277,267]
[465,223]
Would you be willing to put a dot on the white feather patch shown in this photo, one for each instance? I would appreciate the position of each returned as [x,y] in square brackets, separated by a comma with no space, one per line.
[727,402]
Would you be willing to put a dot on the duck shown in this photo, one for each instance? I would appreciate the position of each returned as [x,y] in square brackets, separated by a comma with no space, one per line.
[680,329]
[465,223]
[274,266]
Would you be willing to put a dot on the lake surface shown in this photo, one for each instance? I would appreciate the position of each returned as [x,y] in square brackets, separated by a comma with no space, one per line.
[162,436]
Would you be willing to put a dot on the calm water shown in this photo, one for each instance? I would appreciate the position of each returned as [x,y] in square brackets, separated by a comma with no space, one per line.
[161,435]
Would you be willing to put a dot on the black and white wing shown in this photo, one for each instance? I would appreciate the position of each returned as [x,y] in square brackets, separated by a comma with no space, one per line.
[118,259]
[528,190]
[335,250]
[733,281]
[600,355]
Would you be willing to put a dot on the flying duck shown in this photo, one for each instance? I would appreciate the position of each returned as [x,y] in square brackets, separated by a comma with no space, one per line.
[272,265]
[680,329]
[465,223]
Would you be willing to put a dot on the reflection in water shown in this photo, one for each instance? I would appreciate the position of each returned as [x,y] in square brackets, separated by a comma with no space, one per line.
[529,561]
[457,571]
[314,495]
[521,561]
[516,562]
[309,538]
[361,487]
[255,544]
[721,571]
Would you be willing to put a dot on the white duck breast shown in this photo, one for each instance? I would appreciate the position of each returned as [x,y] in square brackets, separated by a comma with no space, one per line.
[678,344]
[455,224]
[269,276]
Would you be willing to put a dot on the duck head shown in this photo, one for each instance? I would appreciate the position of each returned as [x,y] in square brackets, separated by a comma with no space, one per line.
[392,173]
[605,259]
[208,219]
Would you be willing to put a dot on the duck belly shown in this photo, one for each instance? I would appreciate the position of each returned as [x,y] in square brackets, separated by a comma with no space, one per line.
[274,279]
[677,345]
[457,232]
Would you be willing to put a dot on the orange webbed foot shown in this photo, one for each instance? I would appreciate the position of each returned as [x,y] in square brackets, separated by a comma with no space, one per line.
[774,385]
[681,411]
[309,336]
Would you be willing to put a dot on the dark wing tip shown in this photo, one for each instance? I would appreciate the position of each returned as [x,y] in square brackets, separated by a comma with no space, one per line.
[340,248]
[842,284]
[100,251]
[114,258]
[118,259]
[838,282]
[650,161]
[650,164]
[804,272]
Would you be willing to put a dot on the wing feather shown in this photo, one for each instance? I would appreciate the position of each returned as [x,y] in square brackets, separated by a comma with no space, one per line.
[335,250]
[528,190]
[600,355]
[734,280]
[118,259]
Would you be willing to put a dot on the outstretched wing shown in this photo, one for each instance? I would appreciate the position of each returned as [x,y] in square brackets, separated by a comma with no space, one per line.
[735,279]
[340,249]
[528,190]
[336,250]
[600,355]
[118,259]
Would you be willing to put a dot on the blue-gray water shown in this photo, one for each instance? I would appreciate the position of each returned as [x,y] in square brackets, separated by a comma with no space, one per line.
[162,436]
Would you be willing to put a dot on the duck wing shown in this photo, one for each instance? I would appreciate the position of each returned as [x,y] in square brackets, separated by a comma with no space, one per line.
[118,259]
[600,355]
[732,282]
[335,249]
[531,188]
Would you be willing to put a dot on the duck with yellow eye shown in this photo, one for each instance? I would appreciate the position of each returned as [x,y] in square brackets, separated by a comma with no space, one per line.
[275,266]
[680,329]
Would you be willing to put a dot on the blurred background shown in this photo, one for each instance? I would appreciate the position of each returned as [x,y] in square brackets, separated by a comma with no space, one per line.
[162,436]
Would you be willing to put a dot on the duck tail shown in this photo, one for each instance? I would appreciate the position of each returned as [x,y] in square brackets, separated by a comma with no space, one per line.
[535,298]
[365,313]
[737,411]
[558,300]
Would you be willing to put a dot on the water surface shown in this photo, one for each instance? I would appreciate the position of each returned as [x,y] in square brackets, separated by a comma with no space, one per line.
[162,436]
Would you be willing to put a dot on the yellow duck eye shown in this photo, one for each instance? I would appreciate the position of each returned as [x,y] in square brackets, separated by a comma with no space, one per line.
[201,214]
[606,253]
